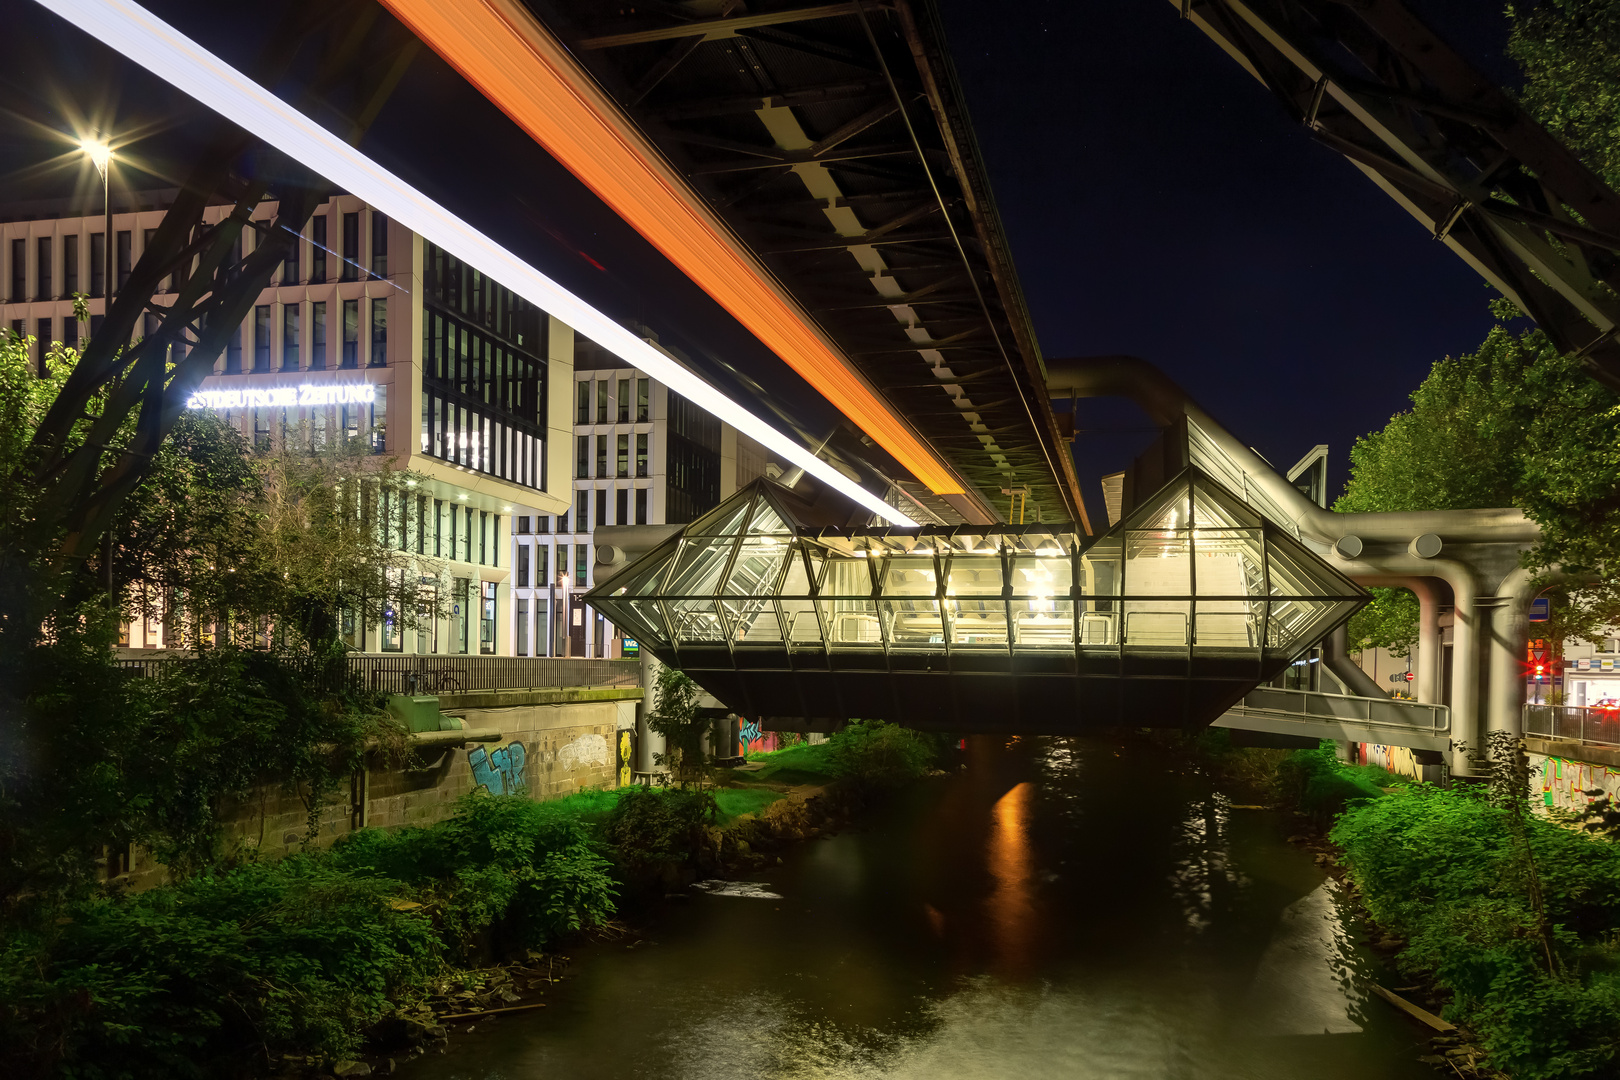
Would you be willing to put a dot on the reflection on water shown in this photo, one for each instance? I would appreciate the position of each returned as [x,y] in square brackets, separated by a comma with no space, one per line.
[1064,908]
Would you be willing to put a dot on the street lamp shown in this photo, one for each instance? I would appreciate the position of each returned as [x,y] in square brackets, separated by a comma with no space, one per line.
[101,154]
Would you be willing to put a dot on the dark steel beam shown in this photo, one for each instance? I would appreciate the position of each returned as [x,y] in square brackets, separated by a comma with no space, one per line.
[716,28]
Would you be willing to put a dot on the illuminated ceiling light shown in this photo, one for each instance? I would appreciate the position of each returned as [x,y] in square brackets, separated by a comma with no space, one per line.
[463,498]
[139,35]
[503,51]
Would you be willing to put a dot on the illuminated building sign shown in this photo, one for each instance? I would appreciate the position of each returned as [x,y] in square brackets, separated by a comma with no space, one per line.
[269,397]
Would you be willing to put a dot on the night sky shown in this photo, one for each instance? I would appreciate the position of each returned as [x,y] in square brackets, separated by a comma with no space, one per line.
[1158,200]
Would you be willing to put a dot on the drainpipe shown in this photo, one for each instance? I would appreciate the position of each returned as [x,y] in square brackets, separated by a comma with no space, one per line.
[1431,656]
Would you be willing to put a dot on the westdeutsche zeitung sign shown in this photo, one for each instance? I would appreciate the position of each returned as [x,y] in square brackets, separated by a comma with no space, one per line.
[270,397]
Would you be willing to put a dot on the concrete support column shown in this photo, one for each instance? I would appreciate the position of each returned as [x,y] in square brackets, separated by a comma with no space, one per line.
[648,742]
[1429,685]
[1510,627]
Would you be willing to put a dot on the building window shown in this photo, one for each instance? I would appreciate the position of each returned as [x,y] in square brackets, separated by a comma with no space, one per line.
[562,522]
[261,338]
[261,429]
[317,335]
[562,564]
[641,506]
[393,639]
[601,506]
[484,372]
[233,351]
[691,461]
[289,264]
[582,457]
[621,507]
[125,257]
[317,249]
[601,401]
[438,528]
[584,414]
[542,524]
[70,265]
[379,243]
[70,332]
[19,271]
[641,455]
[643,400]
[523,566]
[483,538]
[350,271]
[582,512]
[43,277]
[98,264]
[581,563]
[522,645]
[43,334]
[460,614]
[623,398]
[602,456]
[421,524]
[379,330]
[523,526]
[289,336]
[486,627]
[542,565]
[351,333]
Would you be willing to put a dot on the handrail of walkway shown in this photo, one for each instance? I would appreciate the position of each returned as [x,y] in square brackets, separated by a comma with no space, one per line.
[1347,708]
[1573,723]
[444,673]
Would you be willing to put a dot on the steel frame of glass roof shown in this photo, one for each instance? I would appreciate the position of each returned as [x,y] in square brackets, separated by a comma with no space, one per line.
[1176,612]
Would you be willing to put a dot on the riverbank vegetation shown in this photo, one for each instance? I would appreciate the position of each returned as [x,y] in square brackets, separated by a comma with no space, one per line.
[1512,917]
[239,967]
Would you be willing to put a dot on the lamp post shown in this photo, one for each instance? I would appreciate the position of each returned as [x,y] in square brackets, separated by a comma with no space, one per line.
[101,154]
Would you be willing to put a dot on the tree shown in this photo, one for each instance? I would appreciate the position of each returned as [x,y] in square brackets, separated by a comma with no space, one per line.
[678,718]
[1569,51]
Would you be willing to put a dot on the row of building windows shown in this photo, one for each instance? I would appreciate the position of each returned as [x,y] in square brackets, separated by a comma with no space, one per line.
[643,401]
[45,248]
[442,529]
[620,457]
[315,427]
[535,562]
[355,350]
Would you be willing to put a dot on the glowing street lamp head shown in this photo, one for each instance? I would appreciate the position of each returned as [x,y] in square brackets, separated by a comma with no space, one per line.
[99,152]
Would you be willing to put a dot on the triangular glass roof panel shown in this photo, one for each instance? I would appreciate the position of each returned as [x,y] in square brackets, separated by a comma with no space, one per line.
[727,519]
[699,566]
[768,517]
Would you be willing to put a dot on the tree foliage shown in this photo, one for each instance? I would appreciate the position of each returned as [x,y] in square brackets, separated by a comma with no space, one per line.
[677,717]
[1569,51]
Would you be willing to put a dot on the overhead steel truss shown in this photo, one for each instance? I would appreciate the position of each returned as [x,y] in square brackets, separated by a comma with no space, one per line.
[1376,84]
[833,140]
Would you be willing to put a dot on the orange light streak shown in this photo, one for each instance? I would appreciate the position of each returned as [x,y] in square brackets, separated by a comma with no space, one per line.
[499,48]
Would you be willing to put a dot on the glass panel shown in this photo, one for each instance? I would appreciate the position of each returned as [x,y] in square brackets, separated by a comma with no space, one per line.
[1042,611]
[851,622]
[973,600]
[1099,581]
[798,612]
[695,621]
[724,520]
[649,615]
[1157,565]
[846,577]
[767,519]
[698,567]
[910,605]
[755,620]
[1230,582]
[1215,507]
[758,565]
[1166,509]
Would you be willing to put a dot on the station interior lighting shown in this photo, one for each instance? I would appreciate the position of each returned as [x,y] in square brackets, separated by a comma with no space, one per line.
[136,33]
[502,51]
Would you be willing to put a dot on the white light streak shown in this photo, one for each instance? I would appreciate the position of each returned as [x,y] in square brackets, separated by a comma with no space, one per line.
[141,36]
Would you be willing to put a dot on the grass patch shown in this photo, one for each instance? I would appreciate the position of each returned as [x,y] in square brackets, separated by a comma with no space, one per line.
[803,764]
[737,801]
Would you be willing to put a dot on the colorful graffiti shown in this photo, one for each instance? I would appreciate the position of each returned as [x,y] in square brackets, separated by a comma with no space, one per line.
[1564,782]
[500,771]
[1397,759]
[626,750]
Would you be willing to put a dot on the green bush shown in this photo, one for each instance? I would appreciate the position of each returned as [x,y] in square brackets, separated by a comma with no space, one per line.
[225,971]
[1317,783]
[1448,872]
[876,756]
[653,829]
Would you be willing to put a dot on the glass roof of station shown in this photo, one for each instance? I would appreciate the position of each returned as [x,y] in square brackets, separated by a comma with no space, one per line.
[1194,571]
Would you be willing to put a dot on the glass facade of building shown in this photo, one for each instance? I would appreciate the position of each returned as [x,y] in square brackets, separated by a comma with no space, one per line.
[483,373]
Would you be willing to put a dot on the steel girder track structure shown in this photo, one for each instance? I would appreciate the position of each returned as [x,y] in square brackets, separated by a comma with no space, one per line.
[1376,84]
[833,141]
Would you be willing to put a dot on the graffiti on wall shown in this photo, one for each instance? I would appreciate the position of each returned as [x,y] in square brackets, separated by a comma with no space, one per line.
[500,771]
[626,754]
[1397,759]
[1564,783]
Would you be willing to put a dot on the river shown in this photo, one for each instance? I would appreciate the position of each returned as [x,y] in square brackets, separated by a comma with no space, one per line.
[1068,908]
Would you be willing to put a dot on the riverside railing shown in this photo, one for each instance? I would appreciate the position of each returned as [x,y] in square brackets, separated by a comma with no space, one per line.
[1395,713]
[1573,723]
[448,674]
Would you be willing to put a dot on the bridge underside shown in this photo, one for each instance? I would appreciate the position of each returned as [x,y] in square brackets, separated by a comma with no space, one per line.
[1167,620]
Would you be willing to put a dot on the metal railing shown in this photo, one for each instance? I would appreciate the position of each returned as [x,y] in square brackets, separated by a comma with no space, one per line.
[440,674]
[1375,712]
[1600,727]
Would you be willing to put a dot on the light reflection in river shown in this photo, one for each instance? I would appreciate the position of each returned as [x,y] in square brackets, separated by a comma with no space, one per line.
[1011,863]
